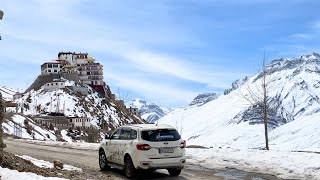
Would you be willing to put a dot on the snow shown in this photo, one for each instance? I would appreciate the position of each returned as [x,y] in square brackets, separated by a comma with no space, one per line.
[296,83]
[71,145]
[218,123]
[283,164]
[47,164]
[7,93]
[65,137]
[72,105]
[149,112]
[7,174]
[38,132]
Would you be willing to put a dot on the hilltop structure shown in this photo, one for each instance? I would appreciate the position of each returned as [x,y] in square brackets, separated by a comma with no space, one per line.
[77,67]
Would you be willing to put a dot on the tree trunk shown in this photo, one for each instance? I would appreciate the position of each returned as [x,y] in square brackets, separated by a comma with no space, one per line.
[265,108]
[2,145]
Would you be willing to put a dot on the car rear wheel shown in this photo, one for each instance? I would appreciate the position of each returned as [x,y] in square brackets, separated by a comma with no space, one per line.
[129,169]
[103,162]
[174,172]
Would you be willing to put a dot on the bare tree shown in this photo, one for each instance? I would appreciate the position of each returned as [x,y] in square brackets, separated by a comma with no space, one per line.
[123,95]
[258,97]
[2,145]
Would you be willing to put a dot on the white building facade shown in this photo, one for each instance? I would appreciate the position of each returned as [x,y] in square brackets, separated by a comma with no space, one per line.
[54,85]
[80,121]
[53,67]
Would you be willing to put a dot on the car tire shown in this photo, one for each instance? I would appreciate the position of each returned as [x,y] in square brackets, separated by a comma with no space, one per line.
[129,169]
[174,172]
[103,162]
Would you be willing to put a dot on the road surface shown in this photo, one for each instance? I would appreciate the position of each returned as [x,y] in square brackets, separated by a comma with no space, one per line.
[88,161]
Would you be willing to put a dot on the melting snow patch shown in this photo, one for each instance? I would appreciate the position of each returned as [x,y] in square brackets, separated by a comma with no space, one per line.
[7,174]
[46,164]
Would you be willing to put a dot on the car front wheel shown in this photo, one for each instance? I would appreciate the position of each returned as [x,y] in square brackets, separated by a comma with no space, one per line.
[174,172]
[129,169]
[103,162]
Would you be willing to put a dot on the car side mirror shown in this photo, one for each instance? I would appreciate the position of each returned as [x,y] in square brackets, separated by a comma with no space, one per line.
[107,136]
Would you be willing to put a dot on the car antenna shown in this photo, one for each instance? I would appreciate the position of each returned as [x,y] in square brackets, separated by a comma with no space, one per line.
[157,123]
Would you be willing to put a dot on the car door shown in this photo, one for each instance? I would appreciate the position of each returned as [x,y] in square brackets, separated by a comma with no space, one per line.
[125,143]
[112,146]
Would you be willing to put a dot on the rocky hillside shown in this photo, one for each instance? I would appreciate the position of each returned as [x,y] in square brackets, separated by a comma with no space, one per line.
[149,112]
[204,98]
[7,93]
[99,110]
[294,110]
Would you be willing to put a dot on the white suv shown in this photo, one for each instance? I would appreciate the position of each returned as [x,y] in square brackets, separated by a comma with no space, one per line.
[143,146]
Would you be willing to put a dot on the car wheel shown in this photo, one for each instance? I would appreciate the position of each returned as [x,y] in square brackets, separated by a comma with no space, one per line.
[129,169]
[103,162]
[174,172]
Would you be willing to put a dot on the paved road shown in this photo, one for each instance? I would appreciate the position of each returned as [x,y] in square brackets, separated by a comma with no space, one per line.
[88,161]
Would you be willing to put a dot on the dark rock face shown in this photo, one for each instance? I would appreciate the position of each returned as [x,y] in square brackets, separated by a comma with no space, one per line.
[235,85]
[277,116]
[204,98]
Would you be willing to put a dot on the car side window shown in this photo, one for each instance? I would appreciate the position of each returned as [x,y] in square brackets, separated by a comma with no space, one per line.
[133,134]
[116,134]
[125,134]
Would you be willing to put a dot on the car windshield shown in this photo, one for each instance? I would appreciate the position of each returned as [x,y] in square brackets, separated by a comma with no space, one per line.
[160,135]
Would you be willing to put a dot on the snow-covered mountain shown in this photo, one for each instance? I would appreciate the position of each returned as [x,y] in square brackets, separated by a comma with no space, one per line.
[204,98]
[76,105]
[149,112]
[229,120]
[7,93]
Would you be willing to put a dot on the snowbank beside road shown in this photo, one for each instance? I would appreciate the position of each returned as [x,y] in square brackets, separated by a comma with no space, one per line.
[7,174]
[47,164]
[283,164]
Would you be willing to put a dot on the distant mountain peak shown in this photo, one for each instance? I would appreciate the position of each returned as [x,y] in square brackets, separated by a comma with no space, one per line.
[150,112]
[137,103]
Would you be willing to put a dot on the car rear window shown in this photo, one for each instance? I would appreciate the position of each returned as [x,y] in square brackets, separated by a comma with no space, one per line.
[160,135]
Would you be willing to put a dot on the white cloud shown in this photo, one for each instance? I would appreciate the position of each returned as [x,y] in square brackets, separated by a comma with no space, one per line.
[36,30]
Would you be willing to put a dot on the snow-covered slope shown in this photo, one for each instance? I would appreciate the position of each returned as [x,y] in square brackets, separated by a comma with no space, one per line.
[76,105]
[29,129]
[149,112]
[7,93]
[230,120]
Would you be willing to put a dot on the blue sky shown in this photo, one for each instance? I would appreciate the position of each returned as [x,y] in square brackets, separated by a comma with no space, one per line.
[165,52]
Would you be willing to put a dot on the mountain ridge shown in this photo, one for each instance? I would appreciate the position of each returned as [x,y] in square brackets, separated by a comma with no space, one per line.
[229,119]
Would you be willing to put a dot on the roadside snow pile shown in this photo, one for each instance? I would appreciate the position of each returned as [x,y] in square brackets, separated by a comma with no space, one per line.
[7,174]
[283,164]
[65,136]
[49,165]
